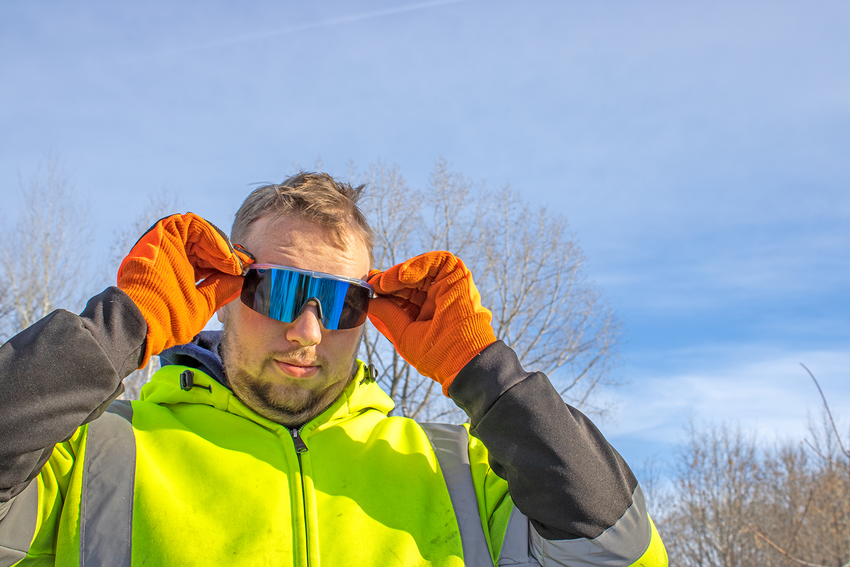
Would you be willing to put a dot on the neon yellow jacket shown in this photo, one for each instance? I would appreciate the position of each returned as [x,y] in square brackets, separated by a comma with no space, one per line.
[217,484]
[191,476]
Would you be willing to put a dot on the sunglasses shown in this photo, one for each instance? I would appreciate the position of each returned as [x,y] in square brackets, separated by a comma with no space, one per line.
[282,293]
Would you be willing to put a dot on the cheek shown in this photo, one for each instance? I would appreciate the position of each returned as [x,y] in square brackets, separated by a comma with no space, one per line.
[344,342]
[224,312]
[246,326]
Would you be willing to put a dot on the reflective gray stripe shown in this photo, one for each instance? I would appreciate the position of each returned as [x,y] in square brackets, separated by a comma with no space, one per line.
[451,445]
[619,546]
[18,517]
[106,514]
[516,552]
[122,408]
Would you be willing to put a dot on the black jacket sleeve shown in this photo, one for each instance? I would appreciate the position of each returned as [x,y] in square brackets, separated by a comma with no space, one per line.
[561,471]
[60,373]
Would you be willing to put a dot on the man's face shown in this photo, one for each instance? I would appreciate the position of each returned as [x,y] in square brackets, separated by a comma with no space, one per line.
[291,372]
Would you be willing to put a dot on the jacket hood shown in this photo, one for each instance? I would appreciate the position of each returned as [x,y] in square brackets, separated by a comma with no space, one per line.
[212,387]
[201,353]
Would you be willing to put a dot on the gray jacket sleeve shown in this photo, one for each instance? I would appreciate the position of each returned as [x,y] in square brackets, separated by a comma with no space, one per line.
[60,373]
[561,471]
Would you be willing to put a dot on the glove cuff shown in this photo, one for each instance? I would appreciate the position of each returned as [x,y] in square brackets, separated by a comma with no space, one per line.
[465,347]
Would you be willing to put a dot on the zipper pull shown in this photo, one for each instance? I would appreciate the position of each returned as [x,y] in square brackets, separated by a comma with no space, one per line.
[300,446]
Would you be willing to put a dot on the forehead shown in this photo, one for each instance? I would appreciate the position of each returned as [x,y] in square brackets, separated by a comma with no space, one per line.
[289,240]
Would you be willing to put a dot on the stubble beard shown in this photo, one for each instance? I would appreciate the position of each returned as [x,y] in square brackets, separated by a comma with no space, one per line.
[288,405]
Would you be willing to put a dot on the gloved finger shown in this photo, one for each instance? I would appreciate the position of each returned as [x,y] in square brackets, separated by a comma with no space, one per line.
[207,254]
[232,265]
[378,322]
[393,311]
[418,272]
[203,273]
[204,269]
[208,247]
[395,322]
[389,288]
[236,267]
[385,283]
[219,289]
[404,296]
[384,330]
[425,269]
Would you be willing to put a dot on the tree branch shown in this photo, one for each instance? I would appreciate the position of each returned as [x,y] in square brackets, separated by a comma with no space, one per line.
[828,412]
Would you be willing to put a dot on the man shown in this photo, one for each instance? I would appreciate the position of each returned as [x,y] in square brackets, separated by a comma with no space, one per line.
[269,444]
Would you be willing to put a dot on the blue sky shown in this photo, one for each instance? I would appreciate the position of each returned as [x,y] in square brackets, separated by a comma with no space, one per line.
[699,150]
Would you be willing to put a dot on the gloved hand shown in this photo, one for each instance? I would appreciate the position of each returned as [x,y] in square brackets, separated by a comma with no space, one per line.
[429,309]
[160,274]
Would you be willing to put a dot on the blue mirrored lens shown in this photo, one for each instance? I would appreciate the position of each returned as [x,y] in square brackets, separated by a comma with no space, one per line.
[281,293]
[290,291]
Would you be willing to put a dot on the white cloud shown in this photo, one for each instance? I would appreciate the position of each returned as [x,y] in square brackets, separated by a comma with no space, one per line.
[767,393]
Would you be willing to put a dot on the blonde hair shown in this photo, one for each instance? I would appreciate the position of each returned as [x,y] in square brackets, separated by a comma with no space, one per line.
[315,197]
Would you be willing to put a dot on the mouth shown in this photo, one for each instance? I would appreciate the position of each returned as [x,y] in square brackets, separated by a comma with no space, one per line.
[296,370]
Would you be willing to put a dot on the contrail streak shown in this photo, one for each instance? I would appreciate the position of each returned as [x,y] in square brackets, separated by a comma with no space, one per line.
[302,27]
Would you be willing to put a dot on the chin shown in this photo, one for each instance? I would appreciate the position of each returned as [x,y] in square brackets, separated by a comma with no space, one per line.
[283,398]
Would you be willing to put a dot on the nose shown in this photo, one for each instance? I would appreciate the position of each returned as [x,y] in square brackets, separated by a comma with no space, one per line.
[306,330]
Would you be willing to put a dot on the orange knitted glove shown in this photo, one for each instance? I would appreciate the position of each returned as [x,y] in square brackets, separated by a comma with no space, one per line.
[161,272]
[430,310]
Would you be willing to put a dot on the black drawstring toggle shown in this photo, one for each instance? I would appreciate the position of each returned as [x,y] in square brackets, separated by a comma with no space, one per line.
[187,381]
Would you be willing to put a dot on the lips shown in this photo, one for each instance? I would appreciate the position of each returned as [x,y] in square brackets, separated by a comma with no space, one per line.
[296,370]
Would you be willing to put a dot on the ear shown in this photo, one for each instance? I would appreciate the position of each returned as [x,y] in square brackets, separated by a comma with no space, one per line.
[221,314]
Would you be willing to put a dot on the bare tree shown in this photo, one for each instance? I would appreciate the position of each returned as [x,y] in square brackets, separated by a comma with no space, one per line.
[44,250]
[526,265]
[543,306]
[40,266]
[5,307]
[736,505]
[656,485]
[160,205]
[716,493]
[393,210]
[807,504]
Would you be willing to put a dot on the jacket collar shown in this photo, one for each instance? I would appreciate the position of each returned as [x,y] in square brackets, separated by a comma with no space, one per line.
[201,355]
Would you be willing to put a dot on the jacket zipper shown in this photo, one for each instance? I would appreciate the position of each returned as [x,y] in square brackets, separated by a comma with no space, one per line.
[301,447]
